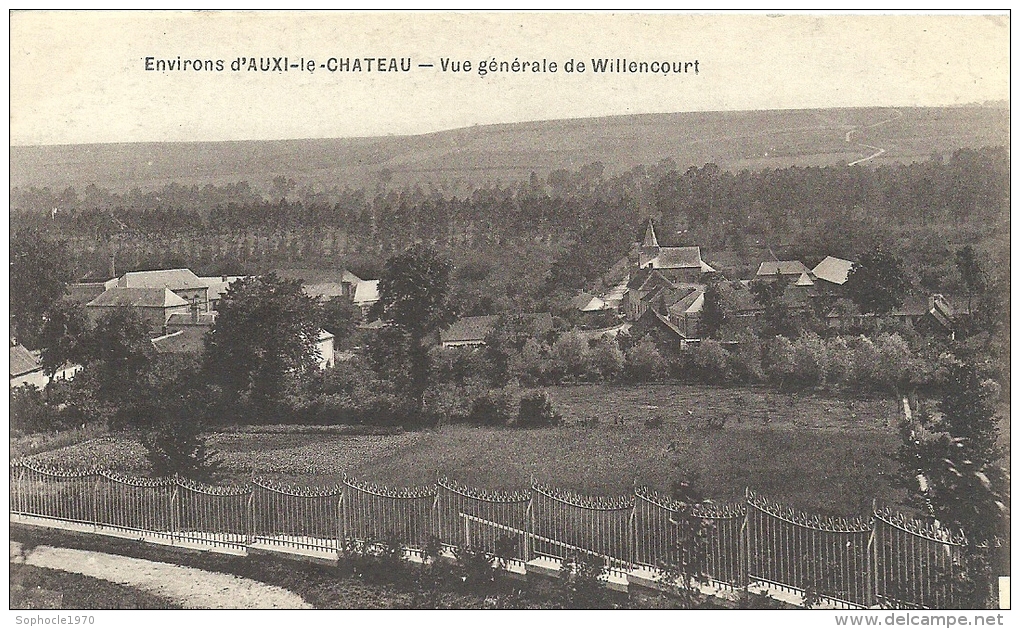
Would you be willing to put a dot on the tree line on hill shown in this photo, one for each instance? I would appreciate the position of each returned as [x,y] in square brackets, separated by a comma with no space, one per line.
[582,221]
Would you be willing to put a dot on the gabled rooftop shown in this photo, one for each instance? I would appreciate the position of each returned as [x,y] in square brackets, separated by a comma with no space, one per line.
[782,267]
[23,361]
[174,279]
[138,298]
[833,270]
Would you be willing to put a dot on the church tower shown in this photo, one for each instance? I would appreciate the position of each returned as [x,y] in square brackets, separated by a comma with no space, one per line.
[650,246]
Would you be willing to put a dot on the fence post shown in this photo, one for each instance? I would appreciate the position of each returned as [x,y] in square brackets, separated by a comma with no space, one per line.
[632,535]
[436,519]
[340,523]
[872,559]
[251,518]
[745,542]
[175,511]
[529,546]
[343,510]
[467,531]
[97,500]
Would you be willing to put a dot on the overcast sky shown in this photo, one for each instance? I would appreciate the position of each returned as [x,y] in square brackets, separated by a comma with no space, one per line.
[78,77]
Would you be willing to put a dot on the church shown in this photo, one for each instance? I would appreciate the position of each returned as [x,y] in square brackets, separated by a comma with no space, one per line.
[677,264]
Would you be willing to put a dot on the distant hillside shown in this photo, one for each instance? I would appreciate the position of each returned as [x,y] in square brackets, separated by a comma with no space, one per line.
[733,140]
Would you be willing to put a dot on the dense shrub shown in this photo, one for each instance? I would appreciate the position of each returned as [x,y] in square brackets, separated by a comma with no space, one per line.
[570,357]
[777,361]
[29,412]
[495,407]
[745,359]
[809,361]
[643,362]
[582,582]
[709,362]
[606,358]
[536,410]
[531,365]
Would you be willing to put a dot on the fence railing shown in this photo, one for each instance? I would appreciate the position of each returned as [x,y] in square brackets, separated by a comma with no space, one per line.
[884,559]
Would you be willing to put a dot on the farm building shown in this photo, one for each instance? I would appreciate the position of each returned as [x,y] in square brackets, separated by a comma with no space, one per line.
[26,368]
[154,305]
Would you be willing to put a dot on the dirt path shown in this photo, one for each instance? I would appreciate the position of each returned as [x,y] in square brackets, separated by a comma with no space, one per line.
[878,150]
[190,587]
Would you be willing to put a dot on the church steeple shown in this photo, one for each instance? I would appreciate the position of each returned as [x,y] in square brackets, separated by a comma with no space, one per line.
[651,242]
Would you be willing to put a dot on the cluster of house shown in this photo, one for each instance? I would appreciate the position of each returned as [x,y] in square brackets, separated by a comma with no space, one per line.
[656,288]
[663,288]
[179,308]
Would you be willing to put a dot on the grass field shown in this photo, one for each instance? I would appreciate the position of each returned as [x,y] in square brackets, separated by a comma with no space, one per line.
[734,140]
[814,452]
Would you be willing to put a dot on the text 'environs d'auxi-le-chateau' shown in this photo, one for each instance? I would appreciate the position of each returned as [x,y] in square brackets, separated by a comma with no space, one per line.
[483,67]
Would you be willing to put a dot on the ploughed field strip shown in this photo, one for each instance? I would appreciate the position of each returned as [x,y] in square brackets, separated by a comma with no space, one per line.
[190,587]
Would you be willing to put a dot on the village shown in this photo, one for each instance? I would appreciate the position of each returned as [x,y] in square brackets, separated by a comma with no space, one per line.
[658,289]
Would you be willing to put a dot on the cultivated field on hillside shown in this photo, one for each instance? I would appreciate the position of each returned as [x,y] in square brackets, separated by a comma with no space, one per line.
[506,152]
[817,453]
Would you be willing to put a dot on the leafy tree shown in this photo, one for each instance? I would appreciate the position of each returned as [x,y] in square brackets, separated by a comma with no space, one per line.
[175,444]
[265,333]
[570,354]
[64,335]
[948,464]
[776,315]
[643,362]
[413,292]
[340,317]
[116,351]
[716,312]
[40,270]
[506,341]
[877,283]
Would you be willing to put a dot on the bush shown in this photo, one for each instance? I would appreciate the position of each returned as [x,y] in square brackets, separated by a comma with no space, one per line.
[493,408]
[777,361]
[745,359]
[536,410]
[176,446]
[606,358]
[643,362]
[809,361]
[530,366]
[28,409]
[570,356]
[582,582]
[710,362]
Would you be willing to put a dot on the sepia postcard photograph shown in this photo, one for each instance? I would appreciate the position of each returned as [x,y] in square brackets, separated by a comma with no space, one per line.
[703,312]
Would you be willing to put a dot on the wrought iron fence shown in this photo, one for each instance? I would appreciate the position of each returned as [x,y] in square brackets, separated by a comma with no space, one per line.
[885,559]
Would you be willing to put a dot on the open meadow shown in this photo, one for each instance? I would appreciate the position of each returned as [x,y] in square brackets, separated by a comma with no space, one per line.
[815,452]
